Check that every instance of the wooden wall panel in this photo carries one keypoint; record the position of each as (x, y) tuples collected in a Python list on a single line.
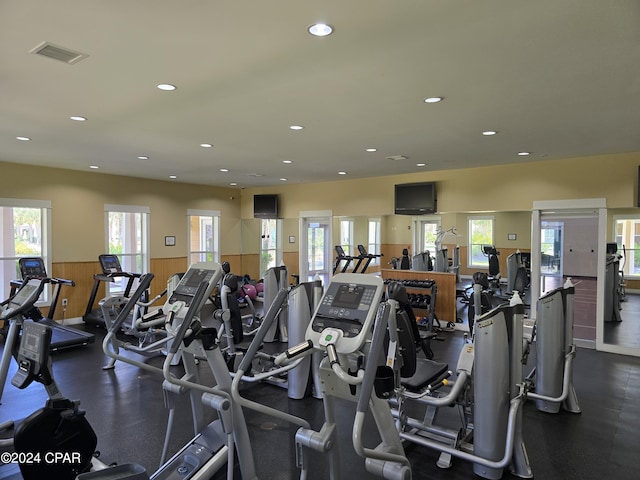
[(162, 269), (82, 274), (292, 262), (249, 265), (77, 297)]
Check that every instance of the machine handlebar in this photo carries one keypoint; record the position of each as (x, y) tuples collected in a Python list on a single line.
[(293, 352), (442, 381), (145, 281)]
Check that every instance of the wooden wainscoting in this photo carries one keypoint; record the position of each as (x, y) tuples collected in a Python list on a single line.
[(77, 297), (82, 274)]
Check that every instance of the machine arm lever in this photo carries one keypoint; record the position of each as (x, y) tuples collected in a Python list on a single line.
[(295, 351)]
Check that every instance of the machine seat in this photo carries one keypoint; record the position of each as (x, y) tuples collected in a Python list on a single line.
[(427, 372)]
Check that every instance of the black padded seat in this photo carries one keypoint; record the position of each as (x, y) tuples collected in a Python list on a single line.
[(427, 372)]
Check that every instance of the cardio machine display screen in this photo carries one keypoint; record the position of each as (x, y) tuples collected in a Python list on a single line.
[(32, 268), (348, 297), (23, 296), (192, 279), (345, 307), (110, 264)]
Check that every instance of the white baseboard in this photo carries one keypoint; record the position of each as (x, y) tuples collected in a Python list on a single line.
[(70, 321)]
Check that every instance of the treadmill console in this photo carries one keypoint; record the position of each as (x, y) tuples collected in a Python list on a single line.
[(32, 267), (348, 306), (110, 264)]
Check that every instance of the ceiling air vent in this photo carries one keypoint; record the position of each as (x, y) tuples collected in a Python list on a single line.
[(396, 157), (56, 52)]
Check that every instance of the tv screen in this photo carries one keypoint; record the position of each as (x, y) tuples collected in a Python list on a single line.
[(265, 206), (415, 198)]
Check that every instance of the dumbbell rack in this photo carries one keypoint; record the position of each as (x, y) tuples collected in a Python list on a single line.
[(422, 298), (445, 307)]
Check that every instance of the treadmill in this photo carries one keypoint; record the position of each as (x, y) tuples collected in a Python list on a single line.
[(61, 336), (111, 271)]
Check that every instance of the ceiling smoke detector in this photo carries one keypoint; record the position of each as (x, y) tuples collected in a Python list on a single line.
[(57, 52), (397, 157)]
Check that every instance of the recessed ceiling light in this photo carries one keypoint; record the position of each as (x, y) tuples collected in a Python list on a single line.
[(233, 184), (287, 161), (94, 167), (224, 170), (283, 179), (524, 154), (420, 164), (143, 157), (78, 118), (173, 177), (372, 149), (489, 133), (296, 127), (342, 173), (433, 99), (167, 87), (206, 145), (320, 29), (23, 139)]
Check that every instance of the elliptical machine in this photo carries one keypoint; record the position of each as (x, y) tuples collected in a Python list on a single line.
[(350, 326)]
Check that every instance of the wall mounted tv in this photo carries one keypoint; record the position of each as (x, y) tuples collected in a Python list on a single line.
[(415, 198), (265, 206)]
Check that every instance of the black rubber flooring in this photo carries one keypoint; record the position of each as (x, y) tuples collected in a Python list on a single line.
[(126, 408)]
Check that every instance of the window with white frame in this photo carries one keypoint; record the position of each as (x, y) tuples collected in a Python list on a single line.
[(627, 237), (270, 244), (127, 236), (480, 233), (374, 245), (346, 236), (203, 236), (25, 231)]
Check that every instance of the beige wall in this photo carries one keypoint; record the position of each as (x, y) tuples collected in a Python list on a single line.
[(507, 188), (78, 200)]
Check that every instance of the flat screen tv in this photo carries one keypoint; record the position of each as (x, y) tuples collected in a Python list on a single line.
[(415, 198), (265, 206)]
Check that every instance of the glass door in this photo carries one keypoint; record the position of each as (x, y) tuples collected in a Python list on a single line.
[(551, 243), (319, 260), (315, 251)]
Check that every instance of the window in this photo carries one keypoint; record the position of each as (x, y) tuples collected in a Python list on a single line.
[(203, 236), (270, 244), (480, 233), (346, 236), (627, 237), (25, 230), (127, 230), (374, 239)]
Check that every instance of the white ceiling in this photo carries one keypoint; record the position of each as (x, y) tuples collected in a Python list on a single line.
[(557, 78)]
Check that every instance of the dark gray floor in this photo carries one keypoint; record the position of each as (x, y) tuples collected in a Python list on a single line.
[(126, 409), (627, 332)]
